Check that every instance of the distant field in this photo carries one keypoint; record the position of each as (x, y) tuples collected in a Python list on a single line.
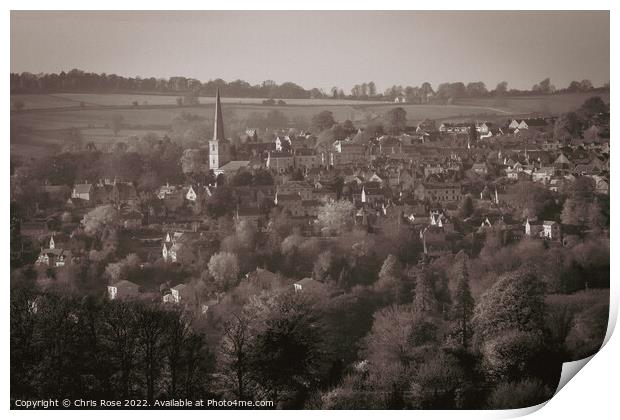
[(39, 143), (50, 113), (104, 136), (84, 118), (43, 101), (510, 105), (417, 113), (60, 118), (30, 151), (62, 100), (553, 104)]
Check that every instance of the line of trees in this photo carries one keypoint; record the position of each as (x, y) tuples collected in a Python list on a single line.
[(455, 90), (590, 122), (81, 81)]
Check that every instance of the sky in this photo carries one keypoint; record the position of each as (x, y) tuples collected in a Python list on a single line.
[(320, 48)]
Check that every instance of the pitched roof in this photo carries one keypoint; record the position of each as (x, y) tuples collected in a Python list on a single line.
[(234, 165), (82, 188), (562, 159), (179, 287)]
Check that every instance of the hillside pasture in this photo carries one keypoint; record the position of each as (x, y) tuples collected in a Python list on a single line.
[(87, 100), (85, 118), (93, 118), (38, 126), (417, 113), (142, 99), (43, 101), (33, 145), (104, 137), (464, 106), (548, 104)]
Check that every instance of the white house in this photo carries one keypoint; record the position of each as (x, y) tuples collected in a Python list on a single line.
[(170, 251), (483, 128), (191, 194), (166, 190), (523, 125), (82, 191), (178, 292), (602, 185), (400, 99), (52, 256), (532, 228), (551, 230), (480, 168)]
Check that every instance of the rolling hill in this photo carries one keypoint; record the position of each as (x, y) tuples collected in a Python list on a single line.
[(39, 128)]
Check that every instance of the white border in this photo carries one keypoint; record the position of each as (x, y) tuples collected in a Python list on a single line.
[(593, 394)]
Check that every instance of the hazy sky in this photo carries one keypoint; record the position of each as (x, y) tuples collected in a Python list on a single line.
[(320, 49)]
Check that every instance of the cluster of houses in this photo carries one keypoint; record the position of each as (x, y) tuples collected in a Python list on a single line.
[(104, 192), (439, 236), (290, 151), (404, 175), (487, 129), (185, 296), (554, 170), (180, 295), (55, 257)]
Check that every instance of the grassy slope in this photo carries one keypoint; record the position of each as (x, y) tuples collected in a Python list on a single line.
[(61, 100), (553, 104), (52, 112)]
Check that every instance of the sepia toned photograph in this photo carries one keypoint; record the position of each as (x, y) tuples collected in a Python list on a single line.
[(306, 210)]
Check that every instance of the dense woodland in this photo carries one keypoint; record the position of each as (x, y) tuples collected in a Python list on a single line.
[(378, 335)]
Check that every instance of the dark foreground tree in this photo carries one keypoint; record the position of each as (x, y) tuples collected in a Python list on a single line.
[(462, 302), (521, 394), (286, 355)]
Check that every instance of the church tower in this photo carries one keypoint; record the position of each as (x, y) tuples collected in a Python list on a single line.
[(219, 148)]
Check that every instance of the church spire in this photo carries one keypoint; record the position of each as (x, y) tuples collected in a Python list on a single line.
[(218, 124)]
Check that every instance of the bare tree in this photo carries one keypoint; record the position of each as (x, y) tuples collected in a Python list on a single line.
[(234, 352)]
